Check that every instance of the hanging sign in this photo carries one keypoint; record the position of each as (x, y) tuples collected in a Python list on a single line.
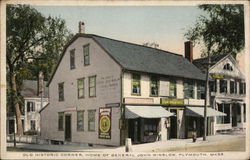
[(105, 123)]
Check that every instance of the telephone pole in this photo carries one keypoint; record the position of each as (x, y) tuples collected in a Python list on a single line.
[(207, 97)]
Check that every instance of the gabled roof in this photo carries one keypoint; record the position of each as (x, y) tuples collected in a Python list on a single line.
[(30, 89), (201, 63), (140, 58)]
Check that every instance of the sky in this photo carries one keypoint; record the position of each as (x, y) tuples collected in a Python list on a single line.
[(164, 25)]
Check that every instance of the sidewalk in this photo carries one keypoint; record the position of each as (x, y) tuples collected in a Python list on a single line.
[(171, 145)]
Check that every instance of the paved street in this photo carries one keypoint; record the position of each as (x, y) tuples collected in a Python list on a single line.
[(216, 143)]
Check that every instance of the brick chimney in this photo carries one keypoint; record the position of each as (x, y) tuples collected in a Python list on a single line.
[(81, 27), (40, 84), (189, 51)]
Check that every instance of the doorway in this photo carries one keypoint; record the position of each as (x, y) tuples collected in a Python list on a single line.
[(68, 128), (173, 124), (234, 115), (11, 126), (134, 130)]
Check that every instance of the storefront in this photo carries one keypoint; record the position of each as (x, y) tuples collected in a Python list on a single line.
[(146, 123), (195, 120)]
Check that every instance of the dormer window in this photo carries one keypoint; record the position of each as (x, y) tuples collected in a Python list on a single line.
[(228, 67)]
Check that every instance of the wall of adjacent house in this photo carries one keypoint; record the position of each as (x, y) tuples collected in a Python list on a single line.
[(108, 90), (33, 115), (228, 75)]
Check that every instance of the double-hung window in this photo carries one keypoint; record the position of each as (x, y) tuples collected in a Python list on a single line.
[(72, 59), (92, 86), (188, 89), (223, 86), (232, 87), (30, 106), (91, 120), (213, 85), (61, 91), (242, 88), (80, 120), (172, 88), (200, 91), (60, 121), (86, 54), (136, 84), (154, 86), (80, 88)]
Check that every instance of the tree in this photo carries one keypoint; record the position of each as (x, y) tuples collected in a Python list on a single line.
[(220, 30), (30, 37)]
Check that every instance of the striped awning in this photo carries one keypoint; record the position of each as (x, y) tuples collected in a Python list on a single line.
[(199, 112), (133, 112)]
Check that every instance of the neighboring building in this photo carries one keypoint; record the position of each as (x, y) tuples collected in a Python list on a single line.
[(104, 90), (228, 91), (32, 105)]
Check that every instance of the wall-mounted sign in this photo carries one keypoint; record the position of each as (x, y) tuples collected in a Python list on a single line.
[(112, 105), (168, 101), (218, 76), (105, 123)]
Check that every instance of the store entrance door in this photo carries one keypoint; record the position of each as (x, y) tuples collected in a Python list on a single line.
[(134, 130), (173, 124)]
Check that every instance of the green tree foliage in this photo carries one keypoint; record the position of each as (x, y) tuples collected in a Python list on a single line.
[(220, 30), (34, 44)]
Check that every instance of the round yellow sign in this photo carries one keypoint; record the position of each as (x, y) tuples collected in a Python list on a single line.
[(104, 123)]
